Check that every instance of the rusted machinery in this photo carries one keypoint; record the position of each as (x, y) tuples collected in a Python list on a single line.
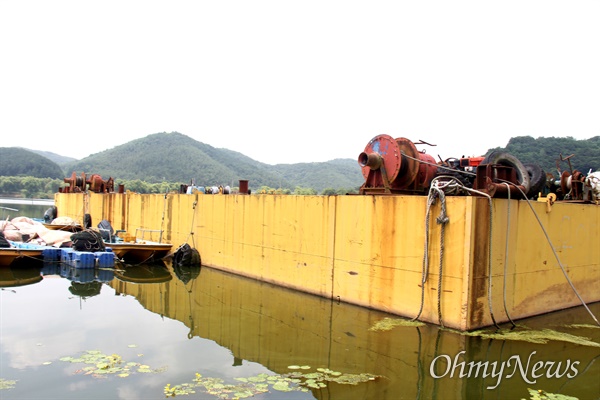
[(393, 166), (95, 183), (500, 173), (576, 186), (573, 185)]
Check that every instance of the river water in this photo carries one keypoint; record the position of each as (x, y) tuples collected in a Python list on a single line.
[(152, 330)]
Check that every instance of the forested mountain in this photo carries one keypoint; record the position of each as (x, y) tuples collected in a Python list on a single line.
[(57, 158), (178, 159), (547, 151), (174, 157), (16, 161)]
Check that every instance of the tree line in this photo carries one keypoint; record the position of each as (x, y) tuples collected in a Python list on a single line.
[(30, 187)]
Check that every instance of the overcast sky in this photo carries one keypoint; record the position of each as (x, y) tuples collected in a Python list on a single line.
[(297, 81)]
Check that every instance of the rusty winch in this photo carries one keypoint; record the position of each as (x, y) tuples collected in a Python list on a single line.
[(94, 183), (393, 166)]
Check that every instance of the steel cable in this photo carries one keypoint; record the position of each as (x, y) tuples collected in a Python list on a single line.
[(457, 183), (506, 255), (555, 254)]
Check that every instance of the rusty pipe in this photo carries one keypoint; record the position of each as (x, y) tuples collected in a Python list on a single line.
[(371, 160)]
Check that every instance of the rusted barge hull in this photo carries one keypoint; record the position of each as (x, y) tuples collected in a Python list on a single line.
[(370, 250)]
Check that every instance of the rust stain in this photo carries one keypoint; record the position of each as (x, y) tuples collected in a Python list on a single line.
[(480, 261), (558, 294)]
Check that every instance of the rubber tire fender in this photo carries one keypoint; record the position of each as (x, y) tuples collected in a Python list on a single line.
[(537, 179), (507, 159), (87, 221), (50, 214)]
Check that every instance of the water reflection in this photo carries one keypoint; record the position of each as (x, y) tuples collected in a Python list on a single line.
[(152, 272), (16, 276), (225, 326), (186, 273), (277, 328), (85, 290), (78, 275)]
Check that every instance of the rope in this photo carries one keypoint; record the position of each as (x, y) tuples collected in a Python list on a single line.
[(455, 182), (87, 240), (434, 193), (419, 365), (163, 218), (192, 228), (556, 255), (425, 266), (442, 220), (452, 184), (506, 255)]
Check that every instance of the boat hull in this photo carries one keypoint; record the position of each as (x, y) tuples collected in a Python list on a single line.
[(10, 256), (64, 227), (136, 253)]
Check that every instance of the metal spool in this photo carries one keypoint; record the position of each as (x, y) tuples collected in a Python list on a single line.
[(393, 165)]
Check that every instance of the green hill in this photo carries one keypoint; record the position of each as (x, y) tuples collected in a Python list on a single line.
[(174, 157), (57, 158), (16, 161), (177, 158)]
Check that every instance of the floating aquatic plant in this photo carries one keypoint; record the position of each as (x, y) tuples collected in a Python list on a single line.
[(295, 381), (298, 367), (178, 390), (542, 395), (534, 336), (582, 326), (387, 324), (100, 364), (7, 384)]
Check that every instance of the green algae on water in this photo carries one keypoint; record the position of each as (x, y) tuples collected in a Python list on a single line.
[(533, 336), (99, 364), (7, 384), (577, 326), (542, 395), (295, 381), (387, 324)]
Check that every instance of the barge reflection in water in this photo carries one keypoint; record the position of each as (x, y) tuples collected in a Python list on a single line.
[(225, 327)]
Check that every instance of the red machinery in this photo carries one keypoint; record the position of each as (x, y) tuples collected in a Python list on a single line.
[(77, 184), (395, 166), (501, 173)]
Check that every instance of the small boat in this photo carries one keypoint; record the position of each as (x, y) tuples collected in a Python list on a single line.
[(75, 227), (64, 223), (12, 255), (134, 249), (140, 251)]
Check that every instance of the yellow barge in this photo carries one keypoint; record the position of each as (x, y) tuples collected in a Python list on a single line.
[(484, 266)]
